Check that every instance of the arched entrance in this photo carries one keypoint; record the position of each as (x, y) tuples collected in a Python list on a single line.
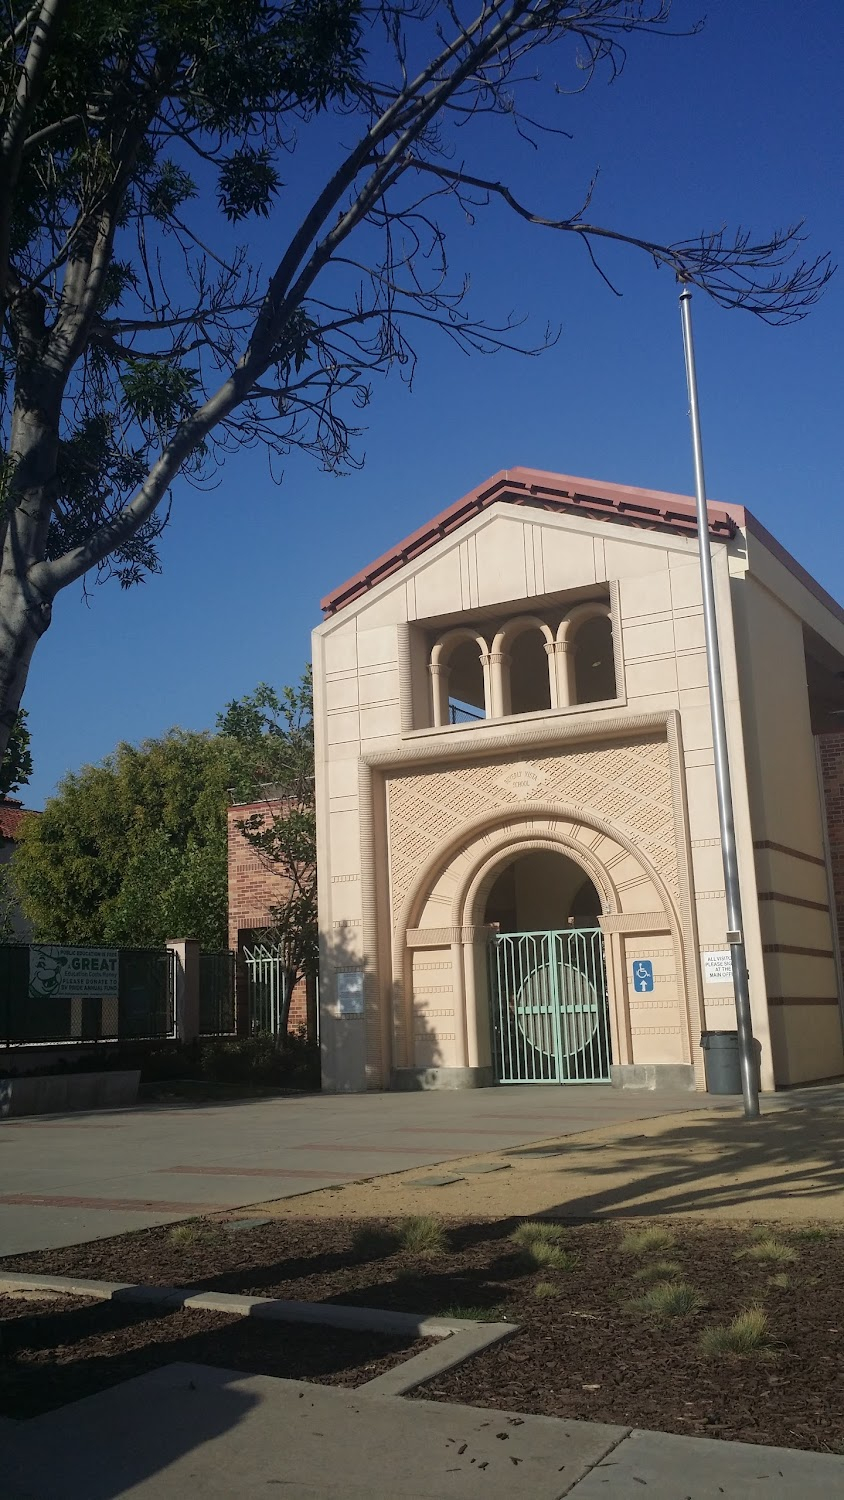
[(549, 1013)]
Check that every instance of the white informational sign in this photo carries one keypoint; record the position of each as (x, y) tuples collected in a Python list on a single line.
[(350, 992), (72, 973), (718, 967)]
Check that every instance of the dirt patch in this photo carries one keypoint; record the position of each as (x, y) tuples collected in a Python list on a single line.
[(60, 1350), (582, 1352), (789, 1165)]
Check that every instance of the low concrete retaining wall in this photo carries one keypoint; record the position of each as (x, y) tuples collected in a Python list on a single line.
[(68, 1091)]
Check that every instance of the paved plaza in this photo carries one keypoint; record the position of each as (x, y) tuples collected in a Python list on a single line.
[(192, 1430), (67, 1178)]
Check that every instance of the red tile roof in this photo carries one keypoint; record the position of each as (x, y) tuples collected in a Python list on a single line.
[(652, 509), (11, 817)]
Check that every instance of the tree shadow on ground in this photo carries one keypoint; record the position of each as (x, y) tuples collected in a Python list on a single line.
[(789, 1160), (263, 1275)]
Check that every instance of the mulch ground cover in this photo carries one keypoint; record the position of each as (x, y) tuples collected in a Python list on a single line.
[(60, 1350), (582, 1351)]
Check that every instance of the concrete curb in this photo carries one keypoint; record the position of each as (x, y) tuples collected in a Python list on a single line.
[(460, 1338)]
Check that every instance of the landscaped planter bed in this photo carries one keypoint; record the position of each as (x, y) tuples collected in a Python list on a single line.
[(582, 1352), (60, 1349)]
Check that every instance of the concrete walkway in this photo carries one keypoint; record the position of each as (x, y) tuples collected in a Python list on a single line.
[(67, 1178), (191, 1430)]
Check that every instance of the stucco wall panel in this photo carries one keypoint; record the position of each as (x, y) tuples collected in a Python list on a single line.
[(439, 586), (340, 647), (378, 646), (502, 572), (623, 558), (648, 677), (799, 1034), (647, 594), (646, 640), (341, 692), (568, 559)]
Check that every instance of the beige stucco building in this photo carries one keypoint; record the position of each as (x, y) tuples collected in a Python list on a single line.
[(519, 855)]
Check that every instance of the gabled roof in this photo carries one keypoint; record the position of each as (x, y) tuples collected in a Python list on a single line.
[(11, 817), (619, 503)]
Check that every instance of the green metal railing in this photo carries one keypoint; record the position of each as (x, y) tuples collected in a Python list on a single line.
[(266, 981), (548, 994)]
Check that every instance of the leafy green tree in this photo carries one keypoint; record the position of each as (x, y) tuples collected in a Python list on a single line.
[(277, 732), (133, 851), (138, 340), (16, 763), (8, 906)]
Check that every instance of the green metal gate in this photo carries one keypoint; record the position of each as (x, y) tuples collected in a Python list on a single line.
[(548, 993)]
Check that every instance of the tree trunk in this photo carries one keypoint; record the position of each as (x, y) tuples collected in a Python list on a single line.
[(25, 596), (289, 977), (24, 617)]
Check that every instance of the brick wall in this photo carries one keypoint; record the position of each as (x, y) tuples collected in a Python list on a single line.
[(254, 889), (832, 772)]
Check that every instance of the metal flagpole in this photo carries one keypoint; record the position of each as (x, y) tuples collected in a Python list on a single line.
[(735, 935)]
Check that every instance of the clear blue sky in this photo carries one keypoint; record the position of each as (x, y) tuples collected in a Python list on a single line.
[(741, 125)]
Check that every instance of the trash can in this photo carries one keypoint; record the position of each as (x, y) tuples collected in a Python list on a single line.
[(721, 1062)]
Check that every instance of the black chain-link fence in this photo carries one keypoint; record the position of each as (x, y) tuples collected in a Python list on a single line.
[(216, 994), (141, 1007)]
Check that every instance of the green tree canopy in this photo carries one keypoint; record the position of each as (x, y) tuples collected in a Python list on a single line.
[(139, 340), (276, 731), (133, 851), (16, 763)]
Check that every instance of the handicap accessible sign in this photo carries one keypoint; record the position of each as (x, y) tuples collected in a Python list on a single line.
[(643, 975)]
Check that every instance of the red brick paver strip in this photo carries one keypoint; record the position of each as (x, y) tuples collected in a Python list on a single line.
[(126, 1205), (63, 1124)]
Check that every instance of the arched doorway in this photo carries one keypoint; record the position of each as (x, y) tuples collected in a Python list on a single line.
[(547, 974)]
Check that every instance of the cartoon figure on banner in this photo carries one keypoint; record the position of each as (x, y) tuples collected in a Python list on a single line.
[(46, 974)]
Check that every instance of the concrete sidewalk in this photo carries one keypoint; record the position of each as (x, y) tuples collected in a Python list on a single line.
[(67, 1178), (192, 1430)]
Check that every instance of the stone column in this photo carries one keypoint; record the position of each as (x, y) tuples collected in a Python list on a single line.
[(439, 692), (187, 987), (496, 683), (564, 672)]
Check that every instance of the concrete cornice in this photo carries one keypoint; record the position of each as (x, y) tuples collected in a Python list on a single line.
[(482, 741)]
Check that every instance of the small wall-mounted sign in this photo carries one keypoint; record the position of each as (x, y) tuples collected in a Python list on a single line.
[(718, 966), (350, 992), (643, 975)]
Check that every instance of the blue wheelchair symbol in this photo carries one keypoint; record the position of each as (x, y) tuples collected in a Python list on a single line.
[(643, 975)]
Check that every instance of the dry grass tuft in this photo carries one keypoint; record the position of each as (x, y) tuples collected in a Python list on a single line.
[(768, 1248), (550, 1257), (642, 1241), (423, 1236), (659, 1270), (748, 1334), (545, 1290), (538, 1231), (667, 1299), (185, 1234), (541, 1245), (475, 1314)]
